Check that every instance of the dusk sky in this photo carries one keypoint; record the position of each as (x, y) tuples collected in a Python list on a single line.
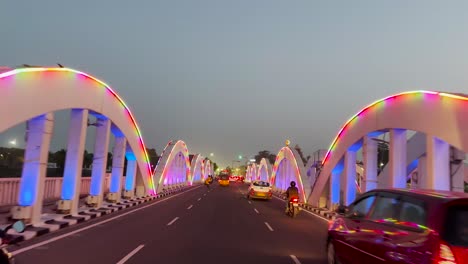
[(237, 77)]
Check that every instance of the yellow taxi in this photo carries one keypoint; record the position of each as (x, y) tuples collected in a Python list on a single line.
[(223, 180)]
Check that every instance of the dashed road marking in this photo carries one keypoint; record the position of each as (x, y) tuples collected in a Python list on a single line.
[(294, 258), (269, 227), (199, 199), (122, 261), (255, 209), (190, 207), (173, 220)]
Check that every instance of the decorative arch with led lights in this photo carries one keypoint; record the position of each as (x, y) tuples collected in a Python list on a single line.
[(438, 114), (173, 168), (29, 92), (288, 157)]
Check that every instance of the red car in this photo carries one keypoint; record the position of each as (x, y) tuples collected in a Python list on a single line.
[(401, 226)]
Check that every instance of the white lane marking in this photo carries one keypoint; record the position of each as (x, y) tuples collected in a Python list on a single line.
[(294, 258), (255, 209), (190, 207), (42, 248), (204, 194), (268, 225), (316, 215), (199, 199), (173, 220), (122, 261), (45, 242), (250, 202)]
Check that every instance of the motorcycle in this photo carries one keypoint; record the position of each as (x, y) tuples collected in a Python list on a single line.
[(293, 207), (5, 240)]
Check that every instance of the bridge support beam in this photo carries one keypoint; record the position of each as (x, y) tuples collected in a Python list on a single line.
[(458, 171), (334, 189), (39, 133), (130, 179), (71, 184), (417, 183), (140, 186), (438, 164), (118, 160), (98, 173), (369, 153), (397, 177), (348, 182)]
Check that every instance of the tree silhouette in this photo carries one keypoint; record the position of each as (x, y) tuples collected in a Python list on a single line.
[(265, 154)]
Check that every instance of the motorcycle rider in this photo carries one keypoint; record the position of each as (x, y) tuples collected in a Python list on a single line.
[(208, 181), (291, 192)]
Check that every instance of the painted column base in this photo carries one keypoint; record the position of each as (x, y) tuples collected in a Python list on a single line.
[(112, 197), (92, 200), (64, 206), (21, 213), (140, 191), (129, 194)]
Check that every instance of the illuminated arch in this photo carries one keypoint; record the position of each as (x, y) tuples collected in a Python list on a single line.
[(197, 168), (264, 170), (207, 169), (173, 167), (289, 156), (54, 89), (438, 114), (253, 171), (248, 174)]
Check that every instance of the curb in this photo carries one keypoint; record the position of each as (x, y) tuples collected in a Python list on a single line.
[(66, 220), (318, 211)]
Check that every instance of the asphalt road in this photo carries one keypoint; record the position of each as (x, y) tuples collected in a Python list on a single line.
[(197, 226)]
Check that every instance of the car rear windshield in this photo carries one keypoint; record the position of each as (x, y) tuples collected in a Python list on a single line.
[(456, 226), (261, 184)]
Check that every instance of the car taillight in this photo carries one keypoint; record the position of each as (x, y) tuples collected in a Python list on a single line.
[(295, 200), (444, 255)]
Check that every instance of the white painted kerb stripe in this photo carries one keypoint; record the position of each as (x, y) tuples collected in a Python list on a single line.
[(122, 261)]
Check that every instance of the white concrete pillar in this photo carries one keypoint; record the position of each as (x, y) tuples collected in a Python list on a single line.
[(118, 160), (334, 190), (397, 162), (141, 189), (418, 180), (98, 173), (369, 153), (349, 179), (31, 192), (458, 170), (130, 176), (438, 164), (71, 184)]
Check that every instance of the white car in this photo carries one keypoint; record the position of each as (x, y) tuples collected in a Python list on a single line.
[(259, 190)]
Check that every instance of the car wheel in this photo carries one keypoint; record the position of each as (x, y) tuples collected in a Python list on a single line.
[(331, 254)]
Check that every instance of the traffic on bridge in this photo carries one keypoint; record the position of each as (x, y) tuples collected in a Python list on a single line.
[(81, 183)]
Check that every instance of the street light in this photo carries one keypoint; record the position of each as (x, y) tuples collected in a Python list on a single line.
[(13, 142), (211, 154)]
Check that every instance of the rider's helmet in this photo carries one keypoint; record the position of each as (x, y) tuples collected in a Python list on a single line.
[(293, 184)]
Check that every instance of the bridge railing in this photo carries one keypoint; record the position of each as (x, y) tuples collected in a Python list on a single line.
[(9, 188)]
